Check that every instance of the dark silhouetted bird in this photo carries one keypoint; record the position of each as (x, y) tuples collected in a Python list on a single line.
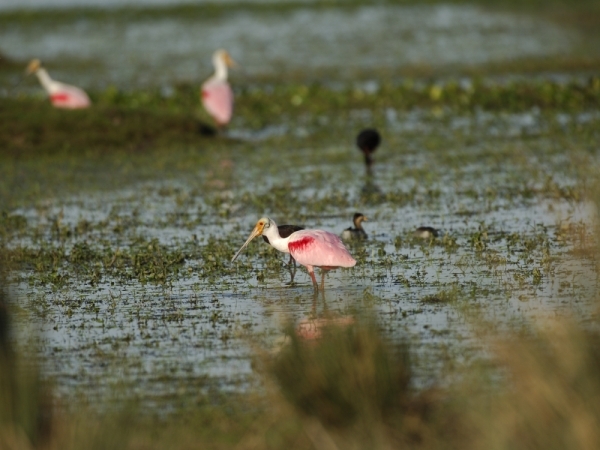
[(367, 141)]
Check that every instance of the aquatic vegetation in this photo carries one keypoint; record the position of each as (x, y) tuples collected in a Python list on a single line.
[(140, 121)]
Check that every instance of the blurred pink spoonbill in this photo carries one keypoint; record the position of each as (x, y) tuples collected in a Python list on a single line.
[(216, 94), (61, 95), (311, 248)]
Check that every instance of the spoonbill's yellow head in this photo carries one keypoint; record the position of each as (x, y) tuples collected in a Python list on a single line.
[(225, 57), (258, 230), (33, 66)]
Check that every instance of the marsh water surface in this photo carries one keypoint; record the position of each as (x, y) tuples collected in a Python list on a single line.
[(124, 269)]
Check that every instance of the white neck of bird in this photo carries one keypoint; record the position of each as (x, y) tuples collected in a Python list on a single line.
[(45, 79), (220, 68), (272, 233)]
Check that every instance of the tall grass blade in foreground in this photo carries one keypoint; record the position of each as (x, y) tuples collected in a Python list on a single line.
[(348, 374), (552, 397), (25, 404), (354, 388)]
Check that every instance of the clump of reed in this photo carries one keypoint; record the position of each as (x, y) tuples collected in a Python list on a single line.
[(347, 374), (552, 395), (357, 389), (352, 389)]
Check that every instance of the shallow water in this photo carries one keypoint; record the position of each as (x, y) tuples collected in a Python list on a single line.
[(510, 253), (302, 41), (130, 285)]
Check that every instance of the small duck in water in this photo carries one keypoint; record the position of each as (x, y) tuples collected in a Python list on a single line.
[(357, 232), (426, 232)]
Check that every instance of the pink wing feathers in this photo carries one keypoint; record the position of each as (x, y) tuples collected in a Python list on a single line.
[(69, 97), (217, 98), (319, 248)]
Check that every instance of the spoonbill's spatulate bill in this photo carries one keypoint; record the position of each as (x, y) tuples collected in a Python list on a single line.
[(367, 141), (61, 95), (357, 232), (216, 94), (310, 248)]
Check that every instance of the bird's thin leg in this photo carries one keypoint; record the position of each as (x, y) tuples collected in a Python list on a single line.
[(291, 265), (220, 130), (292, 270), (368, 161), (323, 280), (311, 272)]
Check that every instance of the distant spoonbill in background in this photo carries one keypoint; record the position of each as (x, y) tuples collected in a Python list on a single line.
[(357, 232), (311, 248), (367, 141), (216, 94), (61, 95)]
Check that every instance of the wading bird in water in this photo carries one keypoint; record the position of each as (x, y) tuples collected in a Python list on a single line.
[(426, 232), (357, 232), (367, 141), (216, 94), (61, 95), (311, 248)]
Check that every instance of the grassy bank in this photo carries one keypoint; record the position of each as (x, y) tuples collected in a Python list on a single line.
[(137, 122)]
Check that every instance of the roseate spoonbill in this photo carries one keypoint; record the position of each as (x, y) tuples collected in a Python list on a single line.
[(311, 248), (426, 232), (61, 95), (367, 141), (357, 232), (216, 94)]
